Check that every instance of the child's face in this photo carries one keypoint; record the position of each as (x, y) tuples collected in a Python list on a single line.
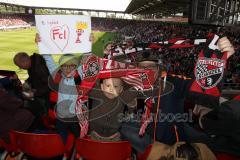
[(112, 87), (68, 69)]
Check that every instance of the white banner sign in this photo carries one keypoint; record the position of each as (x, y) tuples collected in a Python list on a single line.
[(61, 34)]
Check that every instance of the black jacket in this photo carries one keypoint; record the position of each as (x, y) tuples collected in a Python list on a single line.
[(38, 76), (223, 123)]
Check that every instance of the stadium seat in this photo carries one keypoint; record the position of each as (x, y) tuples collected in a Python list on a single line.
[(237, 97), (49, 120), (6, 146), (2, 143), (223, 156), (41, 145), (8, 151), (52, 114), (95, 150), (53, 97)]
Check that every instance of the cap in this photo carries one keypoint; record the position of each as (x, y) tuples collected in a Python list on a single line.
[(68, 59)]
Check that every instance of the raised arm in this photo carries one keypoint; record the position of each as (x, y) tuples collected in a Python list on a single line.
[(226, 46), (51, 65)]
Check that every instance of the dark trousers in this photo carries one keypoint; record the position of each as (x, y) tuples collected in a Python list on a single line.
[(194, 135), (129, 132), (38, 107), (217, 143), (165, 133), (64, 127)]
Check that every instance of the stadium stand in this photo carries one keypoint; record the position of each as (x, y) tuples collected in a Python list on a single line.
[(14, 21)]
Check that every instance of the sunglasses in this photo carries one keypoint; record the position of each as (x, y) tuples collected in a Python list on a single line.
[(71, 66)]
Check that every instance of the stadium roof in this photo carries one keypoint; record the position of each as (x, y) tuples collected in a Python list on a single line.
[(97, 5), (164, 7)]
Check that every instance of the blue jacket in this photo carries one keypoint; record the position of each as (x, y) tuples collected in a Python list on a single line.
[(67, 91)]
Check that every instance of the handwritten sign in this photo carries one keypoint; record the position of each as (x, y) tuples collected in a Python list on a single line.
[(62, 34)]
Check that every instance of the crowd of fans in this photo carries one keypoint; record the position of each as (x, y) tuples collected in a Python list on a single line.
[(108, 24), (12, 21), (181, 60), (178, 61)]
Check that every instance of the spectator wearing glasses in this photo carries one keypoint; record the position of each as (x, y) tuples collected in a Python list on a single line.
[(167, 130), (66, 76)]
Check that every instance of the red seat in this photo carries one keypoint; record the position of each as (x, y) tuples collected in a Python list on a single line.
[(52, 114), (41, 145), (237, 97), (95, 150), (223, 156), (2, 143), (5, 145), (49, 120)]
